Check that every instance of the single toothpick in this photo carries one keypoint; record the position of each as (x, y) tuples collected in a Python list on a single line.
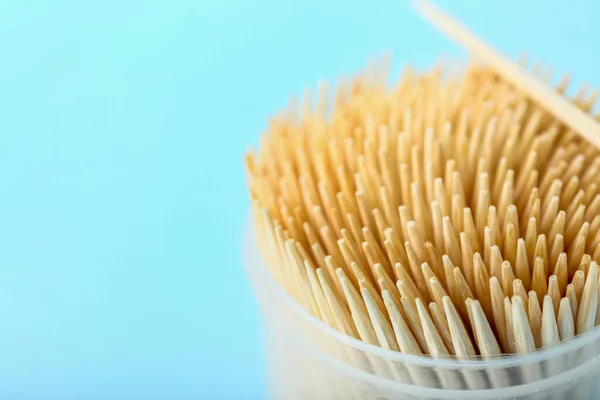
[(558, 106)]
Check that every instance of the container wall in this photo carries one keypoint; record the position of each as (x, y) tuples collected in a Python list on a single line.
[(295, 372), (308, 360)]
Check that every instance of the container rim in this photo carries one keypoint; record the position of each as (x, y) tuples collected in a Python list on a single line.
[(254, 261)]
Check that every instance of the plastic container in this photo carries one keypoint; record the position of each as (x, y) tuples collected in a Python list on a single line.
[(307, 359)]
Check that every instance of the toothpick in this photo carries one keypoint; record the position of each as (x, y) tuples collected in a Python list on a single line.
[(383, 331), (550, 333), (486, 341), (435, 345), (566, 325), (359, 313), (404, 337), (586, 316), (523, 336), (460, 337), (497, 298), (555, 104)]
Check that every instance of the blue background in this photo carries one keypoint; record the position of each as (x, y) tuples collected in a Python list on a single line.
[(122, 191)]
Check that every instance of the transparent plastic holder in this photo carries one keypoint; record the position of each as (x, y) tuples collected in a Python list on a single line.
[(307, 359)]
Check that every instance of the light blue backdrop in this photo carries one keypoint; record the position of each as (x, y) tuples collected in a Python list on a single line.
[(122, 192)]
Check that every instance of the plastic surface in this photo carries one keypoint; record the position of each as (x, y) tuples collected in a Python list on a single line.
[(309, 360)]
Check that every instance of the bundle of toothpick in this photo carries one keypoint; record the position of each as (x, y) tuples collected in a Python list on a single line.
[(450, 214)]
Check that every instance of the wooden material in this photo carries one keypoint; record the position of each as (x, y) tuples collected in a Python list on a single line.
[(449, 214), (561, 108)]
